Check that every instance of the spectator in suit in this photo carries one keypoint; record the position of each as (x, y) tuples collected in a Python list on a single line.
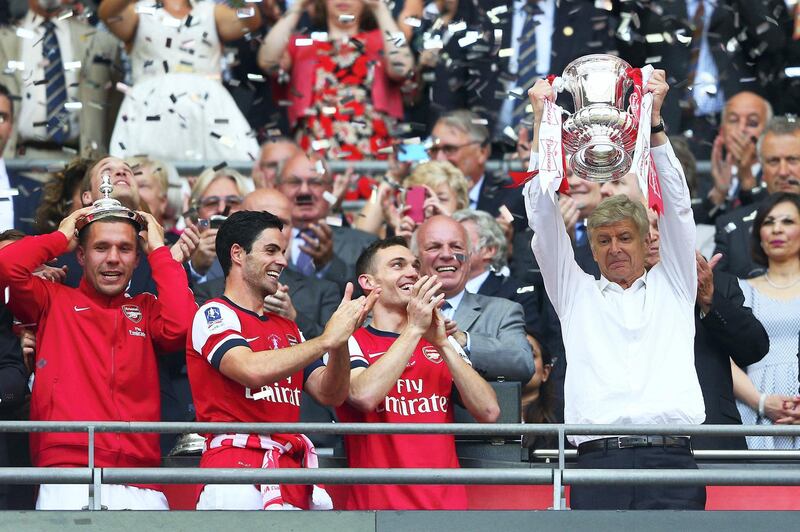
[(725, 332), (487, 267), (461, 138), (490, 329), (45, 46), (717, 49), (19, 195), (317, 248), (779, 155), (734, 161), (274, 153), (216, 194), (308, 301)]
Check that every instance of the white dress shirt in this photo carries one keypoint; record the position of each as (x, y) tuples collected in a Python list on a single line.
[(474, 284), (32, 108), (630, 352), (474, 194), (6, 201)]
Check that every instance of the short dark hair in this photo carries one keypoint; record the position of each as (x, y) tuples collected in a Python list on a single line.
[(364, 264), (242, 228), (769, 203), (84, 232)]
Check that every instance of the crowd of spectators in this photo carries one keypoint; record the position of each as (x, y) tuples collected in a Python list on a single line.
[(437, 255)]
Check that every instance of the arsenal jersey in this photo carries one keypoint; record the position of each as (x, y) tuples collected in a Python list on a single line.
[(221, 325), (422, 394)]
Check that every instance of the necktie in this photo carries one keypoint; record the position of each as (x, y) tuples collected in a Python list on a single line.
[(56, 86), (305, 264), (527, 73), (447, 310)]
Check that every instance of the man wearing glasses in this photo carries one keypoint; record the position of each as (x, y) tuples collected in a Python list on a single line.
[(317, 248), (462, 138)]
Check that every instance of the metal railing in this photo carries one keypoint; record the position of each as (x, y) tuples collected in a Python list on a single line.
[(559, 476), (186, 168)]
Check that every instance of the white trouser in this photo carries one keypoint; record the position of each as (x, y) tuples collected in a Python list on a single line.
[(233, 497), (112, 497)]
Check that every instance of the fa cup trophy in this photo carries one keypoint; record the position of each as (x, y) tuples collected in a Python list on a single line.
[(107, 207), (601, 134)]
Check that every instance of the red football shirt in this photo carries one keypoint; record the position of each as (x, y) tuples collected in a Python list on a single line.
[(422, 394), (220, 325)]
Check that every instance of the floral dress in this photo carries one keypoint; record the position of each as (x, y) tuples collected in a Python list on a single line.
[(341, 122)]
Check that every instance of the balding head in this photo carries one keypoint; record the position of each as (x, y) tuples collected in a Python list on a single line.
[(443, 248), (744, 117), (274, 153), (273, 201)]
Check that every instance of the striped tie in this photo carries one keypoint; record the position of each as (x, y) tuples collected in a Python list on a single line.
[(527, 71), (56, 86)]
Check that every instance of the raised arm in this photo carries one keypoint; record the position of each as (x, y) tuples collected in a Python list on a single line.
[(397, 54), (551, 244), (256, 369), (272, 53), (676, 225), (29, 295), (120, 17), (231, 26)]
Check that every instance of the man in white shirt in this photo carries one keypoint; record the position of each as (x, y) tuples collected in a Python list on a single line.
[(19, 196), (629, 337), (61, 69)]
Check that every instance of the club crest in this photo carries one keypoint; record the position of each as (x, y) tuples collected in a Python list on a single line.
[(432, 354), (132, 312)]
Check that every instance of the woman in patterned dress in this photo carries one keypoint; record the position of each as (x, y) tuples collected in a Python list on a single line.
[(342, 85), (768, 392)]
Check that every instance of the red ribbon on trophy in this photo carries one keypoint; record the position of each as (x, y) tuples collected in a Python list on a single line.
[(552, 160), (641, 106)]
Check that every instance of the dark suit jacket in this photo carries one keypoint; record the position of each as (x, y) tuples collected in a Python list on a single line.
[(347, 247), (314, 299), (728, 331), (527, 296), (732, 239), (498, 346), (13, 386), (26, 202), (740, 37)]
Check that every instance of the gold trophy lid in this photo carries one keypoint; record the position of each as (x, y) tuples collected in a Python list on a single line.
[(108, 207)]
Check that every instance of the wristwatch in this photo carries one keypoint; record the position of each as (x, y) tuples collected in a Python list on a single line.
[(657, 128)]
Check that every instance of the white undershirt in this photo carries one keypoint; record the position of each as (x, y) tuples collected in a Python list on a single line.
[(474, 284)]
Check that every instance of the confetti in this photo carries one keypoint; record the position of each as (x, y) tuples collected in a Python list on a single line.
[(303, 42), (323, 144), (73, 106), (505, 214), (329, 197), (414, 22), (509, 132), (15, 65), (246, 12), (456, 27), (470, 38), (72, 65), (347, 19), (24, 33), (505, 52), (333, 220), (219, 166)]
